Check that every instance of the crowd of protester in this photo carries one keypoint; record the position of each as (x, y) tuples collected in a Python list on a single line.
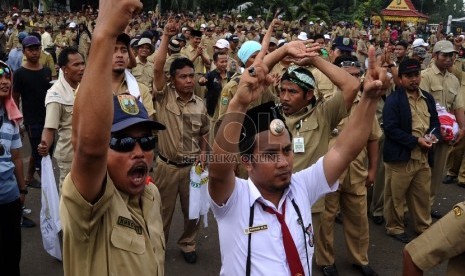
[(191, 72)]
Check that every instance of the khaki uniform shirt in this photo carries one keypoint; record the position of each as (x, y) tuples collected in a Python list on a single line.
[(13, 39), (118, 235), (442, 241), (186, 123), (358, 169), (444, 88), (145, 95), (59, 117), (62, 41), (144, 73), (315, 126), (420, 124), (325, 87), (72, 38), (190, 52)]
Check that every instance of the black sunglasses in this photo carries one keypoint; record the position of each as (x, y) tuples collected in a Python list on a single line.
[(127, 144)]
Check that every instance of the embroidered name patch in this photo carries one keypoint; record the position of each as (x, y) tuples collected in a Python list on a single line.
[(254, 229), (129, 224)]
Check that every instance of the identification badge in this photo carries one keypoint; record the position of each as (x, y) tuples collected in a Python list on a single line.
[(255, 229), (299, 145)]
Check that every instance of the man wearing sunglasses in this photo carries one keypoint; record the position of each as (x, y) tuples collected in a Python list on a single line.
[(446, 90), (110, 212)]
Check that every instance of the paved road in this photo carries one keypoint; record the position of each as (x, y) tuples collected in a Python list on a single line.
[(385, 253)]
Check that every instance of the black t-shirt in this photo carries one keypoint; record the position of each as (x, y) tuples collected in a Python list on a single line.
[(32, 85)]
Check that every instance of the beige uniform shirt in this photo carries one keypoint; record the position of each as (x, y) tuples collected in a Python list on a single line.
[(59, 117), (314, 125), (420, 124), (442, 241), (444, 88), (325, 87), (208, 43), (186, 123), (144, 73), (72, 38), (358, 169), (145, 95), (118, 235), (62, 41), (190, 52)]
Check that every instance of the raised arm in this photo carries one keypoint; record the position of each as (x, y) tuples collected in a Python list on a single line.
[(159, 78), (226, 144), (355, 135), (93, 107)]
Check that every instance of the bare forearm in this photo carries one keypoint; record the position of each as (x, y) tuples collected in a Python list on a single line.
[(48, 135), (159, 63), (18, 162), (373, 155), (460, 116)]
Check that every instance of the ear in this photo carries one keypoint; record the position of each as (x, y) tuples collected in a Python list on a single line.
[(309, 95), (245, 160)]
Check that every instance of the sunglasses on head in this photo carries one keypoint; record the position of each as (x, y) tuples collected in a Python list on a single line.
[(127, 144), (350, 64)]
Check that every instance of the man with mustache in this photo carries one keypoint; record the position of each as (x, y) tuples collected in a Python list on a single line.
[(411, 126), (265, 224), (110, 211)]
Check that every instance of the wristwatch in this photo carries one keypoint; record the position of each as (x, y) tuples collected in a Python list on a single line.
[(24, 192)]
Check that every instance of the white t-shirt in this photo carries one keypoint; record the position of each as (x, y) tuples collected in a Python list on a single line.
[(267, 250)]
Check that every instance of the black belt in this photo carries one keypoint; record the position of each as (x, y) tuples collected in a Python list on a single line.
[(180, 165)]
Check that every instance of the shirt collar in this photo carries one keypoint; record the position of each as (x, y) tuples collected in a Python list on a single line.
[(255, 195)]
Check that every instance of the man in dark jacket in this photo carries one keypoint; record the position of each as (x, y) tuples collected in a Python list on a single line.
[(411, 127)]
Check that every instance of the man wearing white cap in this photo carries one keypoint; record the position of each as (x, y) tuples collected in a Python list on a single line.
[(419, 42), (302, 36), (445, 88), (72, 34), (143, 72)]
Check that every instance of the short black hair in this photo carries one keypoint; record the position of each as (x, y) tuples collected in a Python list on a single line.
[(318, 36), (247, 143), (216, 54), (403, 43), (180, 63), (63, 57)]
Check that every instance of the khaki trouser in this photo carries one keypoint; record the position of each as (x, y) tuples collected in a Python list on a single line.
[(65, 168), (456, 162), (377, 199), (172, 181), (353, 206), (441, 151), (407, 181)]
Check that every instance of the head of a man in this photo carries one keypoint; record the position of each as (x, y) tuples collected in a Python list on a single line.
[(266, 149), (296, 89), (221, 46), (409, 74), (400, 50), (132, 142), (221, 61), (182, 76), (144, 48), (350, 64), (248, 52), (196, 37), (32, 48), (342, 46), (444, 54), (121, 53), (72, 65)]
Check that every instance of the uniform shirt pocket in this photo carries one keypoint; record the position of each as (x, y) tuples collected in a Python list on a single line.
[(128, 240)]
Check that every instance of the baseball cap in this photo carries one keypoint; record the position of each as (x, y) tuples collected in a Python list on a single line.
[(180, 37), (22, 36), (222, 44), (409, 65), (196, 33), (419, 51), (203, 25), (419, 42), (274, 41), (233, 38), (444, 46), (129, 111), (249, 18), (72, 25), (248, 49), (344, 44), (31, 40), (15, 14)]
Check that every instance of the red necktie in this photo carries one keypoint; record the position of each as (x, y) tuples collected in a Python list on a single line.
[(292, 256)]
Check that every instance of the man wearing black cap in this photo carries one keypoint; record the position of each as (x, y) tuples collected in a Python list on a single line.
[(110, 210), (411, 126), (272, 207), (30, 85)]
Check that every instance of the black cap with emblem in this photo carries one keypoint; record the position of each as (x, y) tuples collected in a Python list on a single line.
[(264, 117)]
